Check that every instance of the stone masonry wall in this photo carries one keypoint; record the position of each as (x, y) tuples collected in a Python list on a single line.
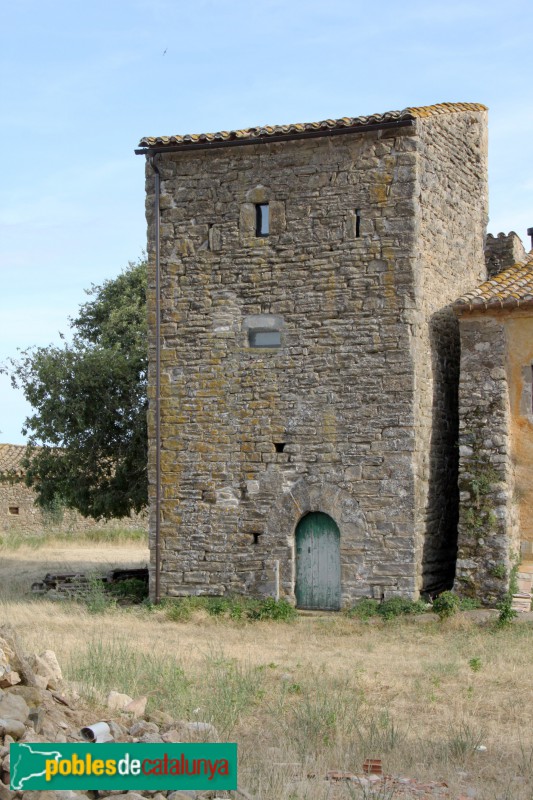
[(488, 529), (452, 212), (339, 417), (336, 397), (503, 251), (20, 515)]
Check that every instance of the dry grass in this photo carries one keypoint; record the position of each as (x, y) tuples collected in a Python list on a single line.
[(321, 693)]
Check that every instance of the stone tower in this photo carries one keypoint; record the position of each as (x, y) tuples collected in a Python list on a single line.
[(309, 353)]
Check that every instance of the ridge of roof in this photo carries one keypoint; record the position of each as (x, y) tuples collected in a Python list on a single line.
[(510, 288), (300, 128)]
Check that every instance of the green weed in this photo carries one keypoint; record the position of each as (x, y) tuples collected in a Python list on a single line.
[(399, 606), (468, 604), (95, 596), (363, 609), (505, 606), (234, 608), (498, 571), (507, 612), (180, 610), (446, 605), (388, 609)]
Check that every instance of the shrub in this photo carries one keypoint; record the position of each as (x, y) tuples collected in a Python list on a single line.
[(505, 606), (235, 608), (363, 609), (446, 605), (279, 610), (388, 609), (96, 598), (177, 610), (507, 612), (399, 606), (216, 606)]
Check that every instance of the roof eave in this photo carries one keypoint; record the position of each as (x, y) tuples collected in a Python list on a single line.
[(268, 139), (463, 307)]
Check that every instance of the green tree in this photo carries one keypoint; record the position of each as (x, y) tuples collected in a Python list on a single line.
[(87, 437)]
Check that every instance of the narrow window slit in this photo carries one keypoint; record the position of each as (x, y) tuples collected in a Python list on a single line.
[(256, 537), (280, 446), (262, 219), (357, 223)]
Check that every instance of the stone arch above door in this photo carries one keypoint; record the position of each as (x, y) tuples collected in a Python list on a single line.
[(326, 497)]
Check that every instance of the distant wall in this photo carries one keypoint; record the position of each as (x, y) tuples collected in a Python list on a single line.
[(20, 514)]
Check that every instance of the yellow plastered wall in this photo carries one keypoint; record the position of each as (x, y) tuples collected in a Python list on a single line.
[(519, 336)]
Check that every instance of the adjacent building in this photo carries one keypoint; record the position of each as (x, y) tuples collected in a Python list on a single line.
[(496, 425)]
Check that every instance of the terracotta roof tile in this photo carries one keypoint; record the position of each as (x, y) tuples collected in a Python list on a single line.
[(300, 128), (11, 456), (511, 288)]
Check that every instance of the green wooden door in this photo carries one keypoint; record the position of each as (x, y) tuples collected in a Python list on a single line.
[(318, 563)]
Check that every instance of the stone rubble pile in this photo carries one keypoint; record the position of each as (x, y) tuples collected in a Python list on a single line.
[(36, 705)]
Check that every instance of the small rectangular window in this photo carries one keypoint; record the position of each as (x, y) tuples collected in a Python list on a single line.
[(13, 510), (262, 221), (264, 338)]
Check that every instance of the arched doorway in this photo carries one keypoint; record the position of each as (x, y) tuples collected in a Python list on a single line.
[(318, 562)]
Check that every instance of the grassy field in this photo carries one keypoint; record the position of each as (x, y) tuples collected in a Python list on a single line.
[(305, 697)]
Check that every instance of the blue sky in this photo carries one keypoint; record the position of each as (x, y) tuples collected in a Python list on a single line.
[(82, 82)]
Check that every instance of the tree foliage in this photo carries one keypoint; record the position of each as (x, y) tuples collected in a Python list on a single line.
[(87, 437)]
